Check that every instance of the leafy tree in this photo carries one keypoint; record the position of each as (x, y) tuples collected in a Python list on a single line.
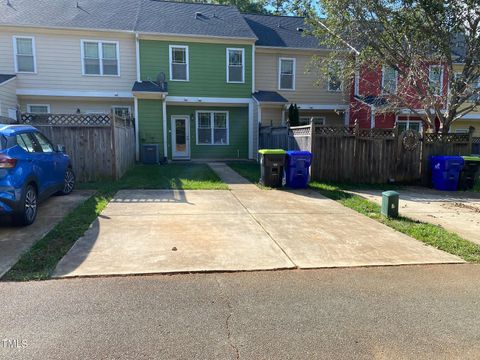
[(408, 36)]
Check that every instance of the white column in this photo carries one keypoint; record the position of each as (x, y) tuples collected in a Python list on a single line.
[(251, 129), (164, 116), (347, 117), (137, 136)]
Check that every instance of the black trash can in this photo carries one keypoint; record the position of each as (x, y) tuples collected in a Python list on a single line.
[(272, 163), (470, 172)]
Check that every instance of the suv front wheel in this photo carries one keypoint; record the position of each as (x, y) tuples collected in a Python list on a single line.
[(68, 182)]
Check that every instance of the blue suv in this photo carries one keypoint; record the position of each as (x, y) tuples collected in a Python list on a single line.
[(31, 170)]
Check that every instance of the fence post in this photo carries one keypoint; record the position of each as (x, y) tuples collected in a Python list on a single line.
[(114, 156)]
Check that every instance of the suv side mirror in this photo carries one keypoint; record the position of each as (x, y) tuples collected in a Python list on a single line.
[(60, 148)]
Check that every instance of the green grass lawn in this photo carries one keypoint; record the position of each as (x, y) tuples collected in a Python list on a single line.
[(429, 234), (40, 261)]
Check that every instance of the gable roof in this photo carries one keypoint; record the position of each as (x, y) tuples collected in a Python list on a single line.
[(150, 16), (171, 17), (5, 77), (282, 31)]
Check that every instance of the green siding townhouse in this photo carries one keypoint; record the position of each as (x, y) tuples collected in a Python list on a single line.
[(193, 94)]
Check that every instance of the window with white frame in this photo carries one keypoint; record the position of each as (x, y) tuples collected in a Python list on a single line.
[(100, 58), (286, 74), (307, 120), (462, 131), (38, 108), (334, 78), (179, 70), (235, 65), (389, 80), (212, 128), (435, 78), (403, 125), (24, 49), (123, 111)]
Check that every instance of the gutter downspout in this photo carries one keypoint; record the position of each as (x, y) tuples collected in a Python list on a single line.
[(164, 116)]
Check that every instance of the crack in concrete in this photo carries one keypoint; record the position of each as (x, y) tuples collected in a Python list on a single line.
[(227, 320)]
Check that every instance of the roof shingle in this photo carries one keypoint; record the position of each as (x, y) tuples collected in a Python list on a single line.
[(151, 16), (281, 31)]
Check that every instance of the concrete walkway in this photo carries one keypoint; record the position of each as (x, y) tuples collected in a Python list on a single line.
[(14, 241), (458, 212), (234, 180), (168, 231)]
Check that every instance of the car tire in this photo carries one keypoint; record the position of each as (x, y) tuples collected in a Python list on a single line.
[(68, 182), (28, 214)]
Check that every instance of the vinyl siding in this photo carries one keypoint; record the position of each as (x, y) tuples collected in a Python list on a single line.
[(8, 97), (150, 123), (306, 91), (59, 65), (207, 63), (238, 133), (465, 124), (70, 106), (271, 116), (331, 117)]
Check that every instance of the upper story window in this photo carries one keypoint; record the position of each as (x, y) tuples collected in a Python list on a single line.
[(334, 80), (435, 78), (389, 80), (24, 50), (100, 58), (235, 65), (179, 63), (38, 108), (286, 74)]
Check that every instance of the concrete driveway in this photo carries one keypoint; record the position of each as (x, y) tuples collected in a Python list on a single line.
[(167, 231), (458, 212), (14, 241)]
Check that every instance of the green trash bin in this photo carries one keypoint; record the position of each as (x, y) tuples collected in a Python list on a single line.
[(469, 173), (390, 201), (272, 163)]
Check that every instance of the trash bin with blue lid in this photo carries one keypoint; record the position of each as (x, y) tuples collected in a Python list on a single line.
[(272, 162), (297, 169), (446, 172)]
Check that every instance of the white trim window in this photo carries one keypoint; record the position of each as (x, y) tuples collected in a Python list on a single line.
[(123, 111), (334, 81), (235, 65), (24, 54), (179, 67), (100, 58), (286, 73), (403, 125), (389, 80), (307, 120), (435, 79), (38, 108), (462, 131), (212, 127)]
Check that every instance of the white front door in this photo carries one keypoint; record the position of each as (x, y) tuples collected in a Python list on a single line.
[(181, 137)]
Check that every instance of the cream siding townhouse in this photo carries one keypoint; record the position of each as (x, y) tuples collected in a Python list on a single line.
[(283, 53), (67, 57)]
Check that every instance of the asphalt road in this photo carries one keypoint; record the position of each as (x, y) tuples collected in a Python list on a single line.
[(408, 312)]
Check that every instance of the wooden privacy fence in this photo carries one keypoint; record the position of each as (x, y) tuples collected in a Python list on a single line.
[(101, 146), (375, 156)]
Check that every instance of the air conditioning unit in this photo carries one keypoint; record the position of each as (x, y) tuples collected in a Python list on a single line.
[(150, 154)]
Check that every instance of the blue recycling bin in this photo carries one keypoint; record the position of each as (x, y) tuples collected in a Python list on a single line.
[(297, 169), (446, 172)]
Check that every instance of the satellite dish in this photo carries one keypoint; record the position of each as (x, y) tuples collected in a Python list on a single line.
[(161, 78)]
